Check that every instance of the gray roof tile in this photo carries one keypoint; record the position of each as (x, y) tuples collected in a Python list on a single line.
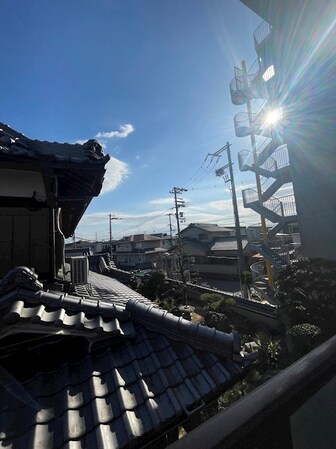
[(111, 396), (16, 144), (228, 244)]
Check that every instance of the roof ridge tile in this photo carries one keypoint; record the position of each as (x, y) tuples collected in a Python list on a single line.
[(199, 336)]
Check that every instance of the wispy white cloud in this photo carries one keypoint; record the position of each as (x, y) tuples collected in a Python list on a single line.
[(124, 131), (116, 172), (162, 201)]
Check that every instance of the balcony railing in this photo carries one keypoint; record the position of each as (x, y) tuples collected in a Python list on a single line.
[(280, 413)]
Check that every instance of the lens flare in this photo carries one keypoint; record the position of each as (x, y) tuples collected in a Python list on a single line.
[(273, 117)]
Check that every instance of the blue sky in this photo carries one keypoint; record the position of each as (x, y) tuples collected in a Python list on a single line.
[(150, 80)]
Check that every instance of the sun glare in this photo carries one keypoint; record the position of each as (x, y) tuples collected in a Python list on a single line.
[(273, 117)]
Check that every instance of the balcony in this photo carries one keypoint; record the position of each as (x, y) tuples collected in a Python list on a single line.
[(245, 88)]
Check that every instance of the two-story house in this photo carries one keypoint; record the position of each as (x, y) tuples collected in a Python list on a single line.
[(140, 250), (213, 250)]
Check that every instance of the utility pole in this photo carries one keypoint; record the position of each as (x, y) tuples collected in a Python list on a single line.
[(110, 223), (221, 172), (179, 202), (258, 183), (170, 227)]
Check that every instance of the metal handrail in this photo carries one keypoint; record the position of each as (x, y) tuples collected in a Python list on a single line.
[(258, 269), (274, 205), (249, 196), (288, 205), (274, 401), (280, 155)]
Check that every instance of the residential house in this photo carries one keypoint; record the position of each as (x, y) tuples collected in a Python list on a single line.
[(86, 362), (85, 247), (140, 250), (212, 250)]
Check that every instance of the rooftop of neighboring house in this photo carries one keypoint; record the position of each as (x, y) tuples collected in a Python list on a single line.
[(228, 244), (208, 227), (81, 244), (105, 367), (140, 238)]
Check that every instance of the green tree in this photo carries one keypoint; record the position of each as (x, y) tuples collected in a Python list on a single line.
[(306, 298), (153, 284), (306, 293)]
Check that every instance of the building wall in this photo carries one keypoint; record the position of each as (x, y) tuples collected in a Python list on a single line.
[(217, 271), (24, 239), (302, 50)]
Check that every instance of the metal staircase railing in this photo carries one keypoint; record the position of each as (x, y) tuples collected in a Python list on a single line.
[(245, 160), (268, 170), (278, 154), (250, 196), (247, 88), (274, 209), (244, 128), (288, 205), (281, 156), (258, 270)]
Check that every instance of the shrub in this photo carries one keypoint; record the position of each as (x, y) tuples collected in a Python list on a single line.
[(303, 338)]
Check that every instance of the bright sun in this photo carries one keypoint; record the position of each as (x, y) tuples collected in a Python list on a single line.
[(273, 117)]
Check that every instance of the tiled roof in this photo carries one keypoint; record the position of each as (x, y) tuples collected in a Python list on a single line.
[(139, 238), (16, 144), (228, 244), (79, 170), (143, 370), (209, 227)]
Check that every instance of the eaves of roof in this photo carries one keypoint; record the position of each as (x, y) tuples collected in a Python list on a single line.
[(13, 143)]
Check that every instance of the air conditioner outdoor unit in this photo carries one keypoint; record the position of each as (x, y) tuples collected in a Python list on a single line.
[(79, 270)]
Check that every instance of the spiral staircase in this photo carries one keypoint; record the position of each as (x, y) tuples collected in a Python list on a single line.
[(268, 159)]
